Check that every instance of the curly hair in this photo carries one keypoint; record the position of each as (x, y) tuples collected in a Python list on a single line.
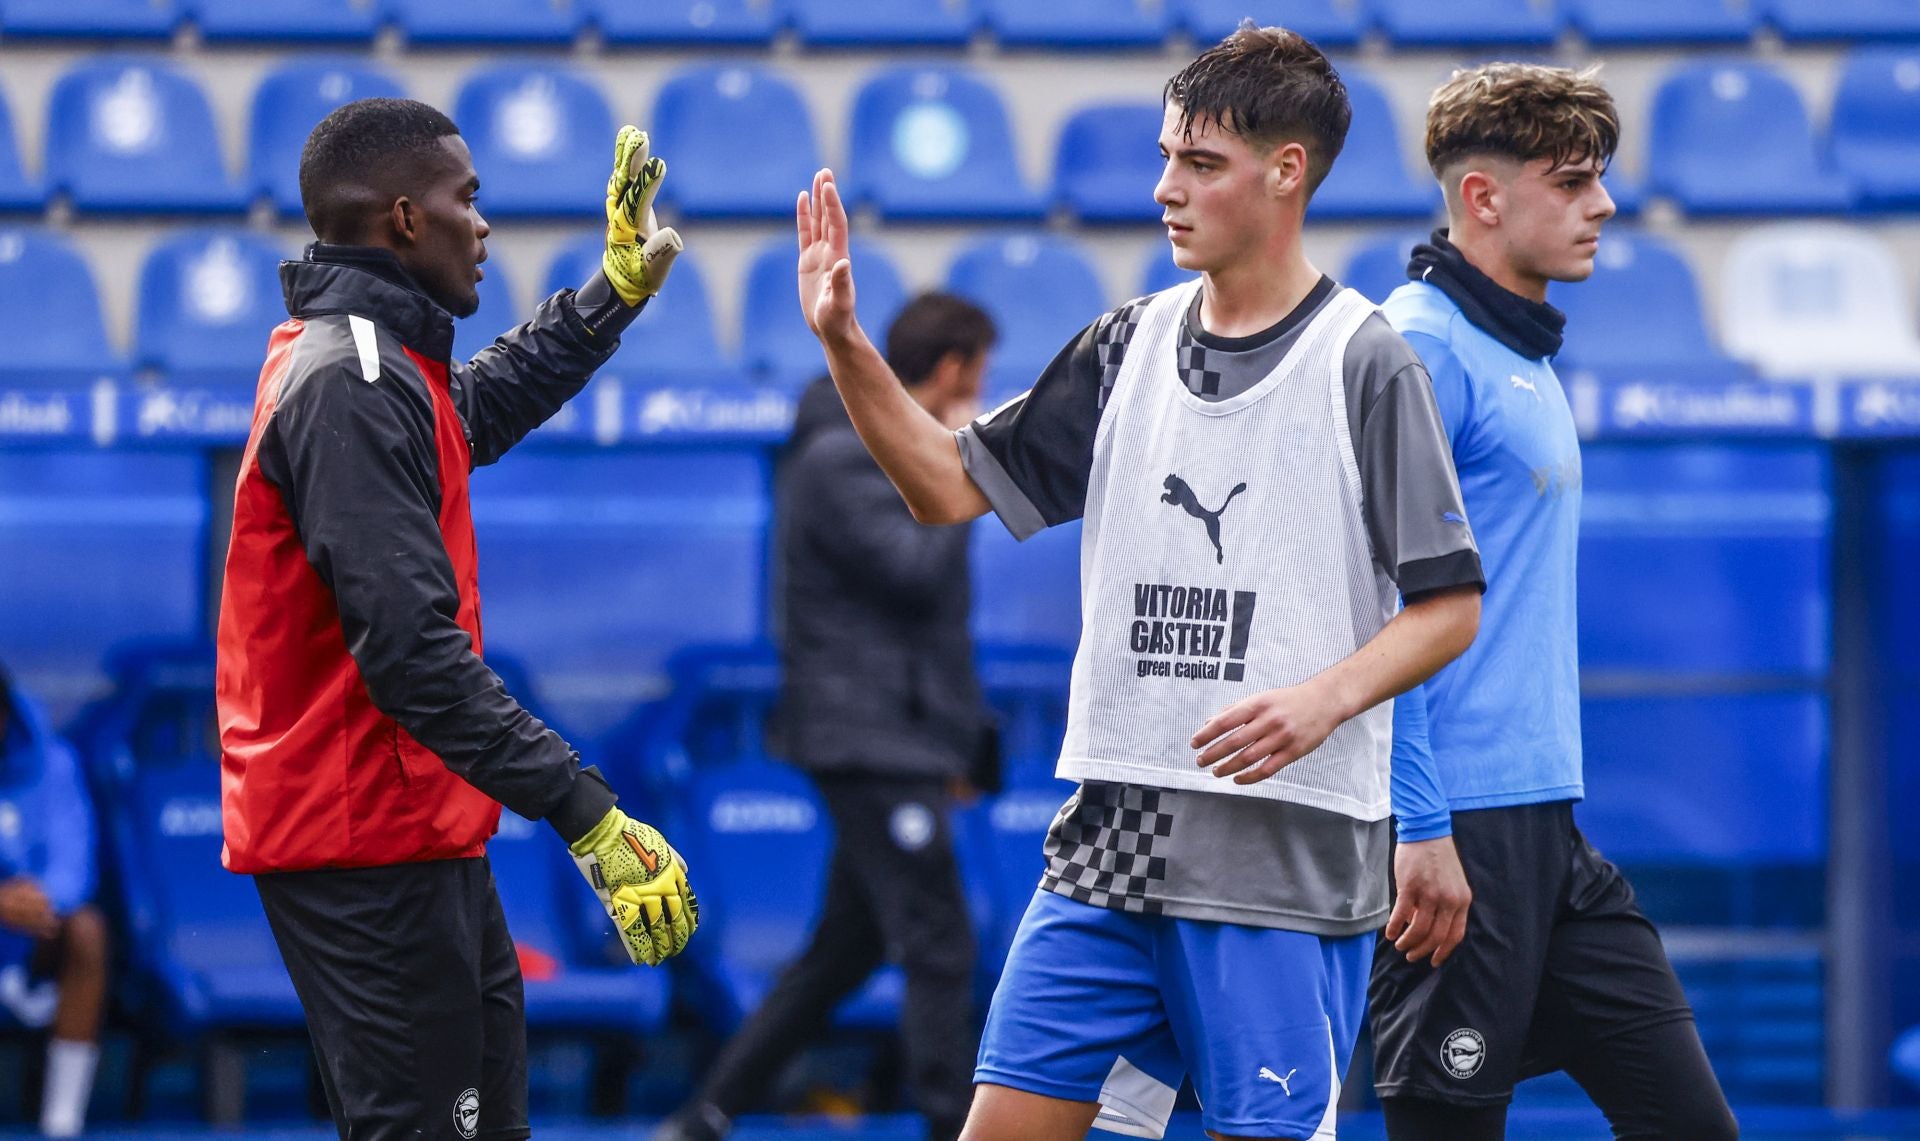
[(1522, 111), (1268, 86)]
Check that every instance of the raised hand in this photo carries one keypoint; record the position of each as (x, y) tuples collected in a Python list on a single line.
[(826, 274)]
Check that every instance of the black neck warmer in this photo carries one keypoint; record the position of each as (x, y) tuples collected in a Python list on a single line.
[(1531, 328)]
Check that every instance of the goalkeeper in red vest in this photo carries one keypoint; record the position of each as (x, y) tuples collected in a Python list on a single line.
[(366, 748)]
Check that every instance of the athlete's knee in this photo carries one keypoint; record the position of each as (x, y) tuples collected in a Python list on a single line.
[(83, 942)]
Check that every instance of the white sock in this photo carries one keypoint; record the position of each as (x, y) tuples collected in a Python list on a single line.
[(63, 1104)]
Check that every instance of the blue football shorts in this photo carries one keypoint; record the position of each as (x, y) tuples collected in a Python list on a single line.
[(1113, 1007)]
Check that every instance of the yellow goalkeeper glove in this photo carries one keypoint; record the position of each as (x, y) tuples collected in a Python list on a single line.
[(642, 882), (639, 250)]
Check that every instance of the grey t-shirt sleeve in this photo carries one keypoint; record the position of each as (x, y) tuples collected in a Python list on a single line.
[(1032, 456), (1414, 513)]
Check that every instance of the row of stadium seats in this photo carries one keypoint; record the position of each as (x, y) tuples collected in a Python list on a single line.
[(1089, 24), (1797, 300), (128, 134)]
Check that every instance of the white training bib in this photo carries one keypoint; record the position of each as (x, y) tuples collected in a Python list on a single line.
[(1225, 553)]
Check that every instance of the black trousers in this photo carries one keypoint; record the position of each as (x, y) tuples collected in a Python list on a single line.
[(1559, 970), (413, 998), (893, 893)]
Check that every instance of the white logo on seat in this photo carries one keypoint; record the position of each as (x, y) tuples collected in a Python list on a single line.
[(912, 826), (930, 140), (1267, 1075), (216, 283), (127, 117), (529, 121)]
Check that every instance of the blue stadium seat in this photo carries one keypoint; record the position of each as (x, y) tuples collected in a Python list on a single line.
[(290, 21), (1108, 163), (198, 938), (208, 300), (1733, 138), (498, 311), (934, 142), (1660, 21), (672, 342), (1103, 25), (1026, 594), (1378, 266), (1875, 108), (49, 313), (1742, 533), (89, 19), (1638, 317), (687, 22), (570, 983), (1844, 19), (1159, 272), (135, 135), (775, 343), (1628, 193), (1040, 291), (1007, 833), (1906, 1056), (288, 104), (735, 823), (542, 140), (1328, 23), (1422, 23), (706, 118), (515, 22), (874, 23), (1370, 179), (18, 190), (679, 534), (119, 542), (1758, 758)]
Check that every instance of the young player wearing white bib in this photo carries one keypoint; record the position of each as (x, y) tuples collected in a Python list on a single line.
[(1262, 474)]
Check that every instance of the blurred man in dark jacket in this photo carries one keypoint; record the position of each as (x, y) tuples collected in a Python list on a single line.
[(881, 707)]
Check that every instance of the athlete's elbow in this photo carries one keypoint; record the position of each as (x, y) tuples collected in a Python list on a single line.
[(1463, 622)]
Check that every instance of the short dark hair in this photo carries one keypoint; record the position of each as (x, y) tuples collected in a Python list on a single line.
[(1268, 86), (930, 327), (365, 150), (1522, 111)]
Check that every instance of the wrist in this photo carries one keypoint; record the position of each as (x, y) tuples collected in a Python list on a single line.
[(586, 807)]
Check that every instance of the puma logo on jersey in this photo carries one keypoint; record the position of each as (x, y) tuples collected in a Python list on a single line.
[(1182, 496), (1284, 1083), (1523, 382)]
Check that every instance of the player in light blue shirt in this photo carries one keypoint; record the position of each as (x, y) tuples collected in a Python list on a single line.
[(1558, 970)]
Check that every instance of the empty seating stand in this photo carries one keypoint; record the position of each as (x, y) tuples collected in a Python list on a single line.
[(1040, 291), (286, 21), (1089, 25), (775, 344), (1477, 23), (935, 143), (884, 23), (705, 23), (1733, 138), (1875, 108), (435, 23), (541, 137), (1328, 23), (134, 135), (707, 118), (673, 341), (1108, 163), (1635, 22), (1639, 283), (208, 301), (89, 19), (288, 104), (1370, 179), (18, 191), (49, 313)]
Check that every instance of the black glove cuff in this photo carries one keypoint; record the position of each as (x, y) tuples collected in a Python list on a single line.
[(585, 805), (599, 307)]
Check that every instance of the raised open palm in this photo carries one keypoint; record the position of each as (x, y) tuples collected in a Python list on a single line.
[(826, 276)]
